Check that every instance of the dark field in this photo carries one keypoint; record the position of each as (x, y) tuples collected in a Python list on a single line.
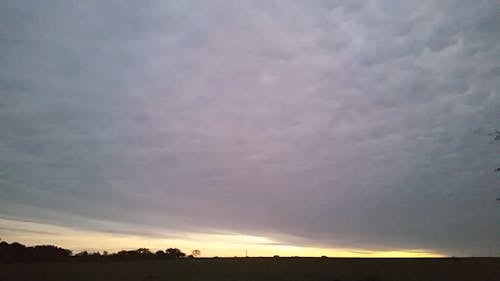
[(233, 269)]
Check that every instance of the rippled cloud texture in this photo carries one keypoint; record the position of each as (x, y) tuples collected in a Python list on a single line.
[(360, 124)]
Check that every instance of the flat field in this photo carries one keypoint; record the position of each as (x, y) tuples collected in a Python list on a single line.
[(263, 269)]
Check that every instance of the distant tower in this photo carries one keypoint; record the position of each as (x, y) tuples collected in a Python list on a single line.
[(246, 253)]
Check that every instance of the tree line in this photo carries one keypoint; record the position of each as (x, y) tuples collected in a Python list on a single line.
[(16, 252)]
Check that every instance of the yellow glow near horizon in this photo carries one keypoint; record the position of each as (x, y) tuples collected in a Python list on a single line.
[(223, 245)]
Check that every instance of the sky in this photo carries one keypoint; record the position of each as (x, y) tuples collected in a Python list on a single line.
[(340, 128)]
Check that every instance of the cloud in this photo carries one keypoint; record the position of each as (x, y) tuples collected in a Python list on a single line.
[(341, 124)]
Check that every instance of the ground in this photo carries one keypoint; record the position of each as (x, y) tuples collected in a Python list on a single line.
[(262, 269)]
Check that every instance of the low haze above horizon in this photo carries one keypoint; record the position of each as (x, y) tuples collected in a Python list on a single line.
[(296, 128)]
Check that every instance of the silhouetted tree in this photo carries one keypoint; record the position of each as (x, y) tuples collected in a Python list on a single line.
[(134, 254), (143, 252), (196, 253), (174, 253), (86, 256), (16, 252), (49, 252), (82, 254)]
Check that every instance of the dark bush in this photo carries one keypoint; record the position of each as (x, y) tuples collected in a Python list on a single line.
[(16, 252)]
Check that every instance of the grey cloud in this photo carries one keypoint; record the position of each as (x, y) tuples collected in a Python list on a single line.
[(343, 123)]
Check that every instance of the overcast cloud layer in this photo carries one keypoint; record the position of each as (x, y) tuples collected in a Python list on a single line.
[(326, 123)]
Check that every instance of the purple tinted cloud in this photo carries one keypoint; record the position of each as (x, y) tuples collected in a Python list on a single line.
[(347, 123)]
